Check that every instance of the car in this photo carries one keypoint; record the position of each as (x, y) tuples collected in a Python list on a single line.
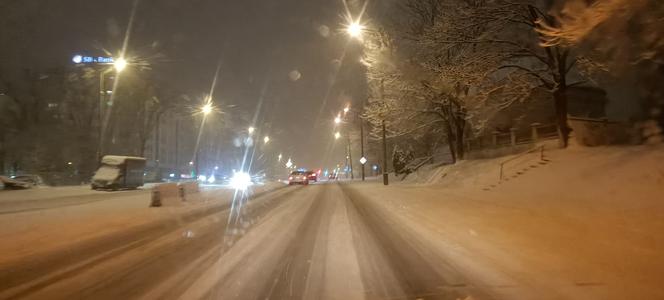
[(332, 176), (298, 177), (21, 181), (313, 176)]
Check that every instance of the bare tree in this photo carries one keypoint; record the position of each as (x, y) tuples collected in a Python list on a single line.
[(494, 48), (623, 37)]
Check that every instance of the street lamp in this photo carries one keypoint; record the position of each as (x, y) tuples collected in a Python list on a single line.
[(266, 139), (355, 29), (251, 129), (338, 120), (206, 109), (120, 64), (337, 135)]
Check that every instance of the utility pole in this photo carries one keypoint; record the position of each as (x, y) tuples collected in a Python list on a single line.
[(385, 174), (177, 146), (350, 159), (101, 115), (362, 144), (157, 147)]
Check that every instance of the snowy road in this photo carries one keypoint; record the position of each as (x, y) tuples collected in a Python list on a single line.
[(301, 242), (344, 241)]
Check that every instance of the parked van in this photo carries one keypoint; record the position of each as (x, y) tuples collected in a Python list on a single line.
[(119, 172)]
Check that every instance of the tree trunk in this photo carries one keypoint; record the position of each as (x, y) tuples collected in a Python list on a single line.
[(560, 100), (2, 151), (451, 141), (461, 126)]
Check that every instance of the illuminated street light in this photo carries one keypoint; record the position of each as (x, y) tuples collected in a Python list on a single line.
[(289, 163), (120, 64), (346, 109), (206, 109), (337, 135), (279, 157), (355, 29), (337, 120), (251, 129), (266, 139)]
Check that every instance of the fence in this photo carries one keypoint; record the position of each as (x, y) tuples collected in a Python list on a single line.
[(514, 137)]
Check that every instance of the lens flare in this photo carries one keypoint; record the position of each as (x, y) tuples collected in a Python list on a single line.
[(240, 181)]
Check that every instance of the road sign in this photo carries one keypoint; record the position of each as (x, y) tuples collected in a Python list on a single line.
[(80, 59), (363, 160)]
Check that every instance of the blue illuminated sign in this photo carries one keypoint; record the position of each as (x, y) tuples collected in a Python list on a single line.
[(80, 59)]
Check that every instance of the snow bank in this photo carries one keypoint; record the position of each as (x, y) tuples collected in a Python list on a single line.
[(116, 212), (586, 225)]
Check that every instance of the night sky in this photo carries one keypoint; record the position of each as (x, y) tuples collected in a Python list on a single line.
[(256, 42)]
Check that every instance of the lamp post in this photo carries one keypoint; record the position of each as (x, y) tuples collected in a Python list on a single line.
[(118, 65), (206, 109), (338, 120)]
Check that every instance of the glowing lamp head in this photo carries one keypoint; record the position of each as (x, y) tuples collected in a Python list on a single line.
[(337, 135), (206, 109), (346, 109), (355, 29), (120, 64), (337, 120), (266, 139), (251, 130)]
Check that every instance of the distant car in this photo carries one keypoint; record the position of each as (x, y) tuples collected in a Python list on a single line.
[(313, 176), (21, 181), (332, 176), (298, 177)]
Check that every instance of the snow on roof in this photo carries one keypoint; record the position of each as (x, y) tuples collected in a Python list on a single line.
[(118, 160)]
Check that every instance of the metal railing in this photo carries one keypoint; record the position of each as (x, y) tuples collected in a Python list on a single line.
[(539, 149), (514, 137)]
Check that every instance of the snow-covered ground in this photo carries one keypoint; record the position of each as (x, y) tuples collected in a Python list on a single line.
[(47, 218), (587, 224)]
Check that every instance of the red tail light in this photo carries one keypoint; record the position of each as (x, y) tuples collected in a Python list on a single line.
[(290, 178)]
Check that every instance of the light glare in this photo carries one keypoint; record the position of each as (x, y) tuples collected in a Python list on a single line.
[(240, 181), (120, 64), (207, 108), (355, 29)]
